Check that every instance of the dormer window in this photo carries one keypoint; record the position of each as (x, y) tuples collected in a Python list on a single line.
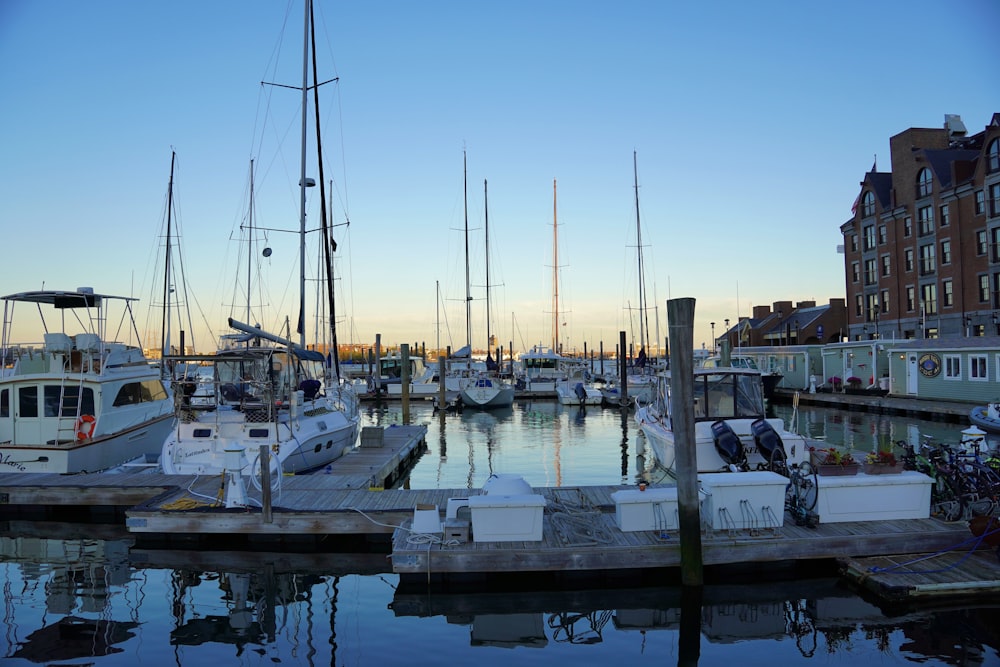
[(924, 182), (993, 156), (868, 205)]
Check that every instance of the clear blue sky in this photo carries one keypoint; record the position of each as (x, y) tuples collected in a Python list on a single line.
[(753, 123)]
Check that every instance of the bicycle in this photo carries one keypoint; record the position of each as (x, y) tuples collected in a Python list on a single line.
[(947, 497), (802, 493)]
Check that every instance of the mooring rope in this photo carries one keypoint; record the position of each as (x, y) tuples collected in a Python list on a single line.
[(975, 540)]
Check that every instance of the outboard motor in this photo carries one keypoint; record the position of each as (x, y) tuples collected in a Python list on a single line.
[(768, 442), (729, 446)]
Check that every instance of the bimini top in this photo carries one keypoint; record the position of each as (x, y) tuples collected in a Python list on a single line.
[(83, 297)]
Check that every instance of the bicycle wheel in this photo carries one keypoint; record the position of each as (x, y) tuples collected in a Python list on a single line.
[(946, 500), (806, 486)]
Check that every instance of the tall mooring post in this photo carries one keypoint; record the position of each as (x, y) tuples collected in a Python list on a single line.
[(622, 371), (404, 380), (680, 328)]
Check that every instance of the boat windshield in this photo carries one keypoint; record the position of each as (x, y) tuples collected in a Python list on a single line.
[(728, 396)]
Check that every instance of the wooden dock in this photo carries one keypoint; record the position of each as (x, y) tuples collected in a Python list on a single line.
[(592, 541), (927, 577), (381, 465)]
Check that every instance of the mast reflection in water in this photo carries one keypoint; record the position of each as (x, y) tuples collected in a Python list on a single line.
[(88, 595)]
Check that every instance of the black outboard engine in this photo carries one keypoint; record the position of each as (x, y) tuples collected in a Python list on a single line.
[(768, 442), (729, 446)]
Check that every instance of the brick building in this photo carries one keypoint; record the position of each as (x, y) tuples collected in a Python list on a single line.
[(922, 250)]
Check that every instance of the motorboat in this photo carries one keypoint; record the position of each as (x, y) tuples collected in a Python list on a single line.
[(79, 401), (732, 430), (771, 377), (578, 389), (486, 390), (986, 417), (261, 395)]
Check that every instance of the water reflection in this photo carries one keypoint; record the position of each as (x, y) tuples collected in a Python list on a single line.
[(78, 599)]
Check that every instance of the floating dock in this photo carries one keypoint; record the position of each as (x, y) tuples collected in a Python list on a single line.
[(905, 579)]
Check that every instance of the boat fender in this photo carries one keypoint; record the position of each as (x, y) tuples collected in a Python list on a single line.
[(85, 427)]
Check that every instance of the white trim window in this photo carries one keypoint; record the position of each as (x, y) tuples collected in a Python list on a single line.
[(977, 368), (952, 367)]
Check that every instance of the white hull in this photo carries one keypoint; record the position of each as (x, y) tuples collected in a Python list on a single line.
[(660, 439), (95, 455), (198, 447), (567, 395), (488, 394)]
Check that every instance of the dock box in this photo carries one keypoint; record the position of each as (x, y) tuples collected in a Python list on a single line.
[(743, 500), (652, 509), (501, 518), (874, 497)]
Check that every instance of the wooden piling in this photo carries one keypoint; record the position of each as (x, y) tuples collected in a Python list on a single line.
[(680, 327), (622, 371), (404, 379)]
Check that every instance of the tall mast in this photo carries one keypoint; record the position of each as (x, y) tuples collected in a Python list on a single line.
[(250, 240), (302, 179), (555, 273), (165, 324), (486, 221), (638, 244), (468, 295)]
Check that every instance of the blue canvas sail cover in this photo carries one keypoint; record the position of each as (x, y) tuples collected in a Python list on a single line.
[(490, 364), (640, 361)]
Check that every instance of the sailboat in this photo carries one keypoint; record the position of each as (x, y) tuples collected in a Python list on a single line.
[(641, 382), (270, 394), (486, 389)]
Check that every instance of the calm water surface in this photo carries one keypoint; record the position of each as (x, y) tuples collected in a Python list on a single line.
[(83, 595)]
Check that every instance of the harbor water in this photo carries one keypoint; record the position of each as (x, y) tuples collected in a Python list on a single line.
[(86, 594)]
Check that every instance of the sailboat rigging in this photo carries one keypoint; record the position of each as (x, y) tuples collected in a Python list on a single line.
[(277, 393)]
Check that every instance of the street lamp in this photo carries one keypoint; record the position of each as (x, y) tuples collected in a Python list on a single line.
[(781, 331), (996, 323), (727, 332), (713, 336), (968, 326), (876, 308)]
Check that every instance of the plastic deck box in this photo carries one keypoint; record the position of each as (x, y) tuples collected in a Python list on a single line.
[(874, 497), (743, 500), (501, 518), (652, 509)]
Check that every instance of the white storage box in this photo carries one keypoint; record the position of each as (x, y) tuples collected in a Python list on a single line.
[(874, 497), (743, 500), (652, 509), (506, 518)]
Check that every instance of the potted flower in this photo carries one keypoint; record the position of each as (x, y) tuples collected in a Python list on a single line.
[(854, 383), (882, 462), (834, 461), (836, 382)]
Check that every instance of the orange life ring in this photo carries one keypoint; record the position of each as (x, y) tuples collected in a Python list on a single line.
[(85, 427)]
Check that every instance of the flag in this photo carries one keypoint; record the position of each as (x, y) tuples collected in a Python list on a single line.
[(854, 206)]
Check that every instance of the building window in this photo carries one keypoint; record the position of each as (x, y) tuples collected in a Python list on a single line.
[(859, 305), (981, 242), (995, 199), (872, 307), (945, 217), (925, 220), (980, 202), (908, 260), (993, 156), (881, 235), (868, 205), (869, 237), (927, 264), (854, 242), (984, 288), (907, 226), (977, 368), (947, 295), (911, 299), (952, 367), (946, 252), (871, 271), (995, 244), (924, 183), (885, 265), (928, 296), (855, 272), (884, 305)]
